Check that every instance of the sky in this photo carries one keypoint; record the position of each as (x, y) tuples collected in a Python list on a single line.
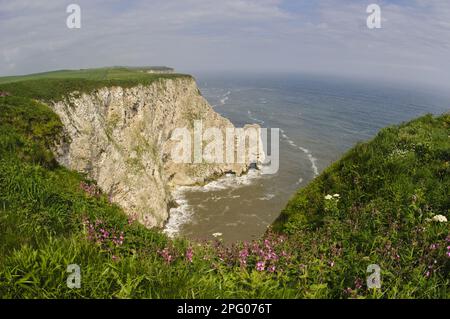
[(322, 36)]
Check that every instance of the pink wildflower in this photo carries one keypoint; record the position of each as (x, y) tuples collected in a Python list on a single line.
[(189, 254), (260, 266)]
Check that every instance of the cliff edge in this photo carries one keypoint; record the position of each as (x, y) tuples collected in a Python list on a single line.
[(120, 137)]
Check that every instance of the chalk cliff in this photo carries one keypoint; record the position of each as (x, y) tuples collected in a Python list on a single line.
[(121, 137)]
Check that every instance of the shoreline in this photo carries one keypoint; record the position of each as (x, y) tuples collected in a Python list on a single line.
[(181, 214)]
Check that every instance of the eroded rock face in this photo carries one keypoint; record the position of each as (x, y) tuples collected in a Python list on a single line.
[(120, 137)]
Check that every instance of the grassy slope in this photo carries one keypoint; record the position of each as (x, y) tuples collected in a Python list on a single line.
[(389, 189), (50, 217), (53, 86)]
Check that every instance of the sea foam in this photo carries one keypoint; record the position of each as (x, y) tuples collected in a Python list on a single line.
[(308, 153), (182, 214)]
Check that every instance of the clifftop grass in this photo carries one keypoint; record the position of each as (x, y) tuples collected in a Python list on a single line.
[(402, 174), (53, 86), (377, 205), (374, 206)]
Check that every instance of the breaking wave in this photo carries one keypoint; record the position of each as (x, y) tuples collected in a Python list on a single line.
[(251, 117), (225, 98), (182, 214), (308, 153), (179, 215)]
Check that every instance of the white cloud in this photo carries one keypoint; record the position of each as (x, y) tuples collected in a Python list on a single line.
[(324, 36)]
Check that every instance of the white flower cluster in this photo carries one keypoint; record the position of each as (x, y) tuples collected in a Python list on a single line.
[(335, 196), (398, 153), (439, 219)]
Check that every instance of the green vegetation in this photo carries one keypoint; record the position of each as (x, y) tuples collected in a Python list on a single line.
[(54, 86), (389, 191)]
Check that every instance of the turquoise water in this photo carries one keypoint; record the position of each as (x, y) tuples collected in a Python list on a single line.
[(319, 119)]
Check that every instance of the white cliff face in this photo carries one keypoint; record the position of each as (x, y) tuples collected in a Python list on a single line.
[(120, 137)]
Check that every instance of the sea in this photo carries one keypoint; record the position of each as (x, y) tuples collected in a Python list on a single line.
[(319, 117)]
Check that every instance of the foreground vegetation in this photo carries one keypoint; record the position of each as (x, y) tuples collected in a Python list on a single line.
[(377, 205)]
